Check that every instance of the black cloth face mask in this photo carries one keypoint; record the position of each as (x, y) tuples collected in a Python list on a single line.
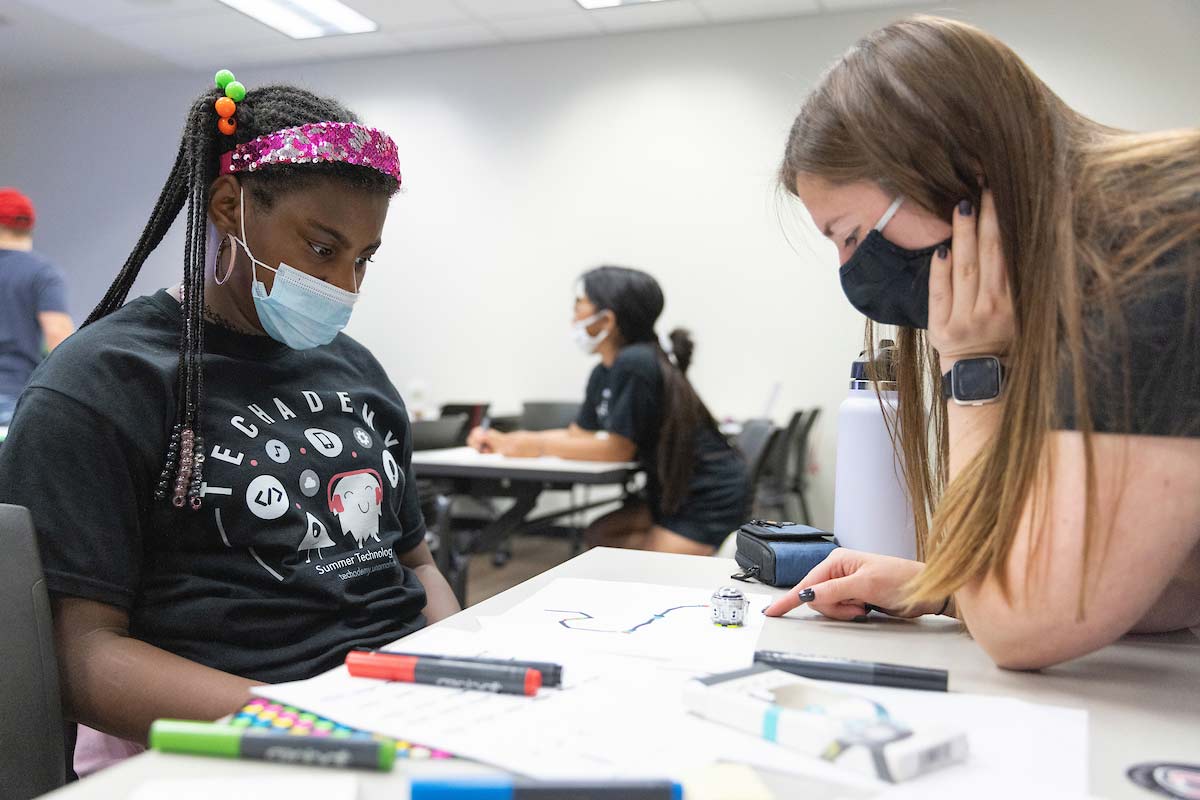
[(887, 283)]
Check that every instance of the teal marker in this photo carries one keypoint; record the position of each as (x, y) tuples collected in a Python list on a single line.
[(226, 741)]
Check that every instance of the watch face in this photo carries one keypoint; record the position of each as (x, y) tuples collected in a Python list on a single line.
[(976, 379)]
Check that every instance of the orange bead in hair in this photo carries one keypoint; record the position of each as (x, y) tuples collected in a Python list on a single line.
[(225, 107), (227, 126)]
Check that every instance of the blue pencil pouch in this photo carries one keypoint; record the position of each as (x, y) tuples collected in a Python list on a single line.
[(780, 553)]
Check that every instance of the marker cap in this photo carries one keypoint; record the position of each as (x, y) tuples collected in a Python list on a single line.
[(202, 738)]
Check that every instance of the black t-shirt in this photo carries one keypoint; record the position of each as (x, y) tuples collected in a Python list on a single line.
[(1143, 367), (308, 496), (627, 399)]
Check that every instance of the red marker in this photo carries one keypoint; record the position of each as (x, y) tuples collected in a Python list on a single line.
[(444, 672)]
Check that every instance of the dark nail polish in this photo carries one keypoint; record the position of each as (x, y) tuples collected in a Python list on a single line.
[(807, 596), (943, 251), (964, 208), (862, 618)]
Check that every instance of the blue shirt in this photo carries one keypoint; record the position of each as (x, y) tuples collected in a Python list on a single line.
[(29, 285)]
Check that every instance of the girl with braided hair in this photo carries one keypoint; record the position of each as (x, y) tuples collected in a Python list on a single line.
[(184, 455)]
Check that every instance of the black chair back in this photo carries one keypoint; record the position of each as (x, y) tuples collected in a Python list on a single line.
[(435, 434), (475, 413), (33, 755), (754, 443), (547, 416)]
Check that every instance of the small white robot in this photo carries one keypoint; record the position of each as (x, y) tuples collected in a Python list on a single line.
[(729, 607)]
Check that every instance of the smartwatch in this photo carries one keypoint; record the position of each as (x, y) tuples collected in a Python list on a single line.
[(974, 381)]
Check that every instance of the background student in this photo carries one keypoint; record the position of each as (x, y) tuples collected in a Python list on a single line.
[(639, 405), (33, 300), (220, 478), (993, 223)]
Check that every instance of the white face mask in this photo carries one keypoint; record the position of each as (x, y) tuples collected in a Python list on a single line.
[(584, 340)]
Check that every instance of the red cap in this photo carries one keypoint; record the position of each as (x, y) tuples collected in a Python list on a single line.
[(16, 210)]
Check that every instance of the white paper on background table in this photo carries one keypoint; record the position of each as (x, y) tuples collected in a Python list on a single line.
[(468, 456), (621, 714)]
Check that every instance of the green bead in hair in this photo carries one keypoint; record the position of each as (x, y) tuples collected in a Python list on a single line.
[(223, 78), (235, 91)]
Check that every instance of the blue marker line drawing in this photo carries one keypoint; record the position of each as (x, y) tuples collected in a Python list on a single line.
[(584, 616)]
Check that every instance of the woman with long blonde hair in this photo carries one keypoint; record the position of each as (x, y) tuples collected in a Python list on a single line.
[(1043, 270)]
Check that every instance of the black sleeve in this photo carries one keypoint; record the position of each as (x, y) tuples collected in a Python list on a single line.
[(1143, 366), (586, 418), (412, 522), (88, 497), (632, 407)]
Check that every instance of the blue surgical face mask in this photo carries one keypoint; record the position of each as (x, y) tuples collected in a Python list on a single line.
[(301, 311)]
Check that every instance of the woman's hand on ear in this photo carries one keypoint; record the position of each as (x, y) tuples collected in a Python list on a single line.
[(970, 301)]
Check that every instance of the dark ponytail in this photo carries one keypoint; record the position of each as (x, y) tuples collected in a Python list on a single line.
[(636, 300), (682, 348), (264, 110)]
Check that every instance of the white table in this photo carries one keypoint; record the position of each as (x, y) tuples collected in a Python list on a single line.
[(468, 463), (1142, 694), (463, 471)]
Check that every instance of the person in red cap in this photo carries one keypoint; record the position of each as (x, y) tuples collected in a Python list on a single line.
[(33, 302)]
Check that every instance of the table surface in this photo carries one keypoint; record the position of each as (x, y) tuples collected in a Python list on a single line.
[(465, 462), (1142, 694)]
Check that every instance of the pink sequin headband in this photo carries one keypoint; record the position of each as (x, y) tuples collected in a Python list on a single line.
[(317, 142)]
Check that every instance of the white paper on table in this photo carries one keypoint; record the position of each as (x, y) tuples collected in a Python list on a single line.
[(624, 716), (616, 717), (668, 624), (1016, 748), (298, 787)]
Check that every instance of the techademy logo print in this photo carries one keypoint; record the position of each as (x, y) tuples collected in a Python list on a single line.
[(302, 483)]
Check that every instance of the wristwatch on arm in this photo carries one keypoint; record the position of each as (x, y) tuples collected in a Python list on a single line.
[(974, 381)]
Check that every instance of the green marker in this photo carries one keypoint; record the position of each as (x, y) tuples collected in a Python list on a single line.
[(213, 739)]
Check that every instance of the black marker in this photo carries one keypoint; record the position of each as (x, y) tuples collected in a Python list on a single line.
[(846, 671)]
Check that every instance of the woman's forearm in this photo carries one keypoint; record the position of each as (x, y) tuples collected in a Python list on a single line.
[(970, 427), (119, 685), (586, 447), (440, 601)]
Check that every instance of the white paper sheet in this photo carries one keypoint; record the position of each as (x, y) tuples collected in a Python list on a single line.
[(620, 712), (616, 716), (667, 624), (299, 787)]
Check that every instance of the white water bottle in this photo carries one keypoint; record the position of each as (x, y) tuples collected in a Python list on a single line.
[(871, 510)]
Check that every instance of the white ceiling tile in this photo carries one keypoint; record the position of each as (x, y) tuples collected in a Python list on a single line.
[(498, 9), (296, 50), (727, 10), (663, 14), (855, 5), (545, 27), (35, 45), (166, 35), (446, 36), (113, 10), (398, 14)]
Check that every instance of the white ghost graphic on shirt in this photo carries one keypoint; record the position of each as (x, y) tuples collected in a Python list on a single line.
[(357, 500)]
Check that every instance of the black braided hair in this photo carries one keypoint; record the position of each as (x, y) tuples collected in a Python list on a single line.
[(264, 110)]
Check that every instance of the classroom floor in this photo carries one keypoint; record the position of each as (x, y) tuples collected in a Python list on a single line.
[(532, 555)]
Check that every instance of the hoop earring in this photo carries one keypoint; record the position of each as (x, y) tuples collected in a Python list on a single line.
[(225, 245)]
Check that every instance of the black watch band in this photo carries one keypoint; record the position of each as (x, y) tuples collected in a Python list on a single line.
[(977, 363)]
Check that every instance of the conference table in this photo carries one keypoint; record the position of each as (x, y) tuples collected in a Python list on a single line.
[(1142, 694)]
